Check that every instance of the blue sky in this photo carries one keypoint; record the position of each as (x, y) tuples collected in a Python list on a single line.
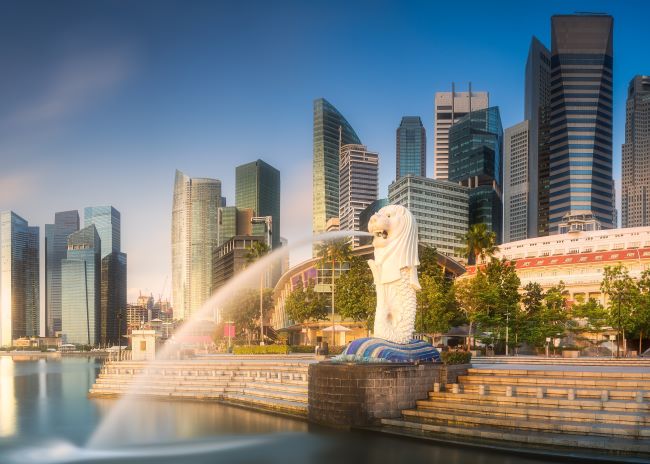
[(101, 101)]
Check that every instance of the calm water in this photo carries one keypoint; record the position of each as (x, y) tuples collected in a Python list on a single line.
[(45, 416)]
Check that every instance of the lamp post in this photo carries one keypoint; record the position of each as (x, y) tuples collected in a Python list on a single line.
[(618, 335), (119, 335), (268, 222), (548, 340)]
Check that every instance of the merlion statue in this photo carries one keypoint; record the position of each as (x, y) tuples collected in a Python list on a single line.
[(396, 279), (394, 270)]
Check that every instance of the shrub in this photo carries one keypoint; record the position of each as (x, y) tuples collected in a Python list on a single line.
[(260, 349), (334, 350), (302, 349), (456, 357)]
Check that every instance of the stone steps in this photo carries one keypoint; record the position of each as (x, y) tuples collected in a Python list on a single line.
[(542, 425), (525, 401), (269, 385), (495, 436), (558, 373), (541, 360), (533, 391), (554, 381), (639, 417)]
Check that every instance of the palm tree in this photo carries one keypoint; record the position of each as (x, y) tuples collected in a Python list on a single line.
[(256, 251), (480, 243), (332, 252)]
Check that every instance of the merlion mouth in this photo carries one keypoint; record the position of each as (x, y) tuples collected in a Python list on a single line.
[(381, 234)]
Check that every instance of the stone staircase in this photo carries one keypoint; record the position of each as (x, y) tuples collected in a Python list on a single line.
[(563, 407), (273, 385)]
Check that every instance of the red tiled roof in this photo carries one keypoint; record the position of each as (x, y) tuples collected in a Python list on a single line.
[(578, 258)]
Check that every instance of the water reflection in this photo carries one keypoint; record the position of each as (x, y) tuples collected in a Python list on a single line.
[(7, 397)]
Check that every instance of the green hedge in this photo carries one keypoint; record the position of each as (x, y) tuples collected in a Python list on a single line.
[(260, 349), (302, 349), (456, 357)]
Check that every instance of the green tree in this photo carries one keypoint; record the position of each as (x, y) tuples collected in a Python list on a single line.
[(243, 309), (480, 243), (257, 251), (355, 293), (527, 319), (469, 296), (330, 253), (642, 318), (592, 312), (623, 296), (305, 304)]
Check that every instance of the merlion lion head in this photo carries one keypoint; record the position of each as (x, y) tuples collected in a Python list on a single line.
[(395, 237)]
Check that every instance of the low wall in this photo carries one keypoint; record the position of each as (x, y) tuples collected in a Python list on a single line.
[(347, 395)]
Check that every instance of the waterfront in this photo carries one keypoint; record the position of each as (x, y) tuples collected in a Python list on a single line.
[(47, 417)]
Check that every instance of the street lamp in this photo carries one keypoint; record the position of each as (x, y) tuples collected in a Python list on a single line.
[(618, 343), (548, 340), (268, 221), (119, 335)]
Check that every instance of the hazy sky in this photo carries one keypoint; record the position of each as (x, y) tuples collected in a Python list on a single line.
[(101, 101)]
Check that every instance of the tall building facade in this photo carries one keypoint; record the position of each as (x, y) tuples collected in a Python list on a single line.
[(194, 240), (411, 156), (19, 279), (518, 177), (635, 201), (81, 287), (331, 131), (440, 209), (537, 100), (449, 108), (234, 221), (257, 187), (107, 221), (358, 185), (580, 160), (476, 161), (112, 301), (56, 247)]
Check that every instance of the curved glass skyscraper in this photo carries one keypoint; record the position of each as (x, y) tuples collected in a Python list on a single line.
[(194, 239), (475, 161), (331, 131)]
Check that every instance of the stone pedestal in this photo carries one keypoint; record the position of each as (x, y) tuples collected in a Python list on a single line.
[(347, 395)]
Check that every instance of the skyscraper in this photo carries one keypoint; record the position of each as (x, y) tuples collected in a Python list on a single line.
[(234, 221), (81, 286), (108, 222), (56, 247), (19, 279), (518, 170), (635, 201), (411, 148), (194, 240), (331, 131), (537, 102), (257, 187), (580, 179), (475, 161), (449, 108), (358, 185), (112, 300)]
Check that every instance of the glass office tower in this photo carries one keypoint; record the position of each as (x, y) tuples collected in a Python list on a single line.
[(107, 221), (195, 237), (331, 131), (80, 280), (257, 187), (56, 247), (581, 119), (19, 279), (411, 148), (475, 161)]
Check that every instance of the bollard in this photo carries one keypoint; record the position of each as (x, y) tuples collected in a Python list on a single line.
[(639, 397), (571, 394), (604, 396), (481, 390), (540, 392), (509, 391), (455, 389), (436, 387)]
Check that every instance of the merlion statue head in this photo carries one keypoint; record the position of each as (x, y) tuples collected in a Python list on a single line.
[(395, 238)]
